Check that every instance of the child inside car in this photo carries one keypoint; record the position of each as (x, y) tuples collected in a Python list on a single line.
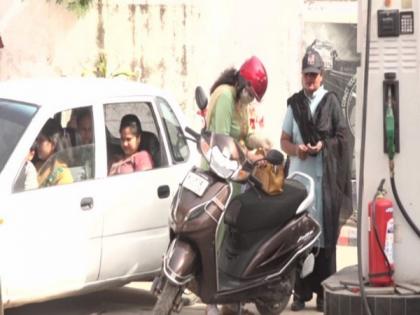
[(133, 159)]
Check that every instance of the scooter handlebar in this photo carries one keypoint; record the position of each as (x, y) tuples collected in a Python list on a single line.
[(192, 133)]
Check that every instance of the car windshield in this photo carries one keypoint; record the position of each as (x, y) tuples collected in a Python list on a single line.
[(14, 118)]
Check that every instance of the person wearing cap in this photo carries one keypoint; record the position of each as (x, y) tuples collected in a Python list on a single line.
[(316, 139), (227, 114)]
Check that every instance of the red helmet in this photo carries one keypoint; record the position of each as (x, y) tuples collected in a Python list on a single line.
[(254, 72)]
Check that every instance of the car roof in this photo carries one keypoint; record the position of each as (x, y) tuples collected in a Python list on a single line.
[(49, 91)]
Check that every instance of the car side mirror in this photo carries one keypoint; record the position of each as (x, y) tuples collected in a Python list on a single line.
[(200, 98)]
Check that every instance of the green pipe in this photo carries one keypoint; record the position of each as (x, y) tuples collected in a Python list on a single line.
[(390, 128)]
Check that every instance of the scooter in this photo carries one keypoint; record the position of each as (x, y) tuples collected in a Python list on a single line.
[(235, 249)]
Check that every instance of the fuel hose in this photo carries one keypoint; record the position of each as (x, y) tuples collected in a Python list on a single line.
[(390, 139), (404, 212), (362, 163)]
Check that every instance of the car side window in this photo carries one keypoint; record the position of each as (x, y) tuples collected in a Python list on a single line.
[(177, 142), (62, 153), (146, 154)]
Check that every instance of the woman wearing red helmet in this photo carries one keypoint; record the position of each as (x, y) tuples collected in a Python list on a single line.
[(229, 97), (227, 114)]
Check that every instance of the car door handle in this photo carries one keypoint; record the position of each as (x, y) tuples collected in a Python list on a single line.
[(163, 191), (86, 203)]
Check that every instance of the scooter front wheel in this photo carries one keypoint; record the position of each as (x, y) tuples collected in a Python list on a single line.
[(165, 301)]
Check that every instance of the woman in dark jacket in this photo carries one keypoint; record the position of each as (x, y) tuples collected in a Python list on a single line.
[(315, 136)]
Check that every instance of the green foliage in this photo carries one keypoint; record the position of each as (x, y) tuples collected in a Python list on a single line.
[(101, 66), (101, 69), (78, 6)]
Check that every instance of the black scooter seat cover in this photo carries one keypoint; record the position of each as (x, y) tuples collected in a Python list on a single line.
[(254, 210)]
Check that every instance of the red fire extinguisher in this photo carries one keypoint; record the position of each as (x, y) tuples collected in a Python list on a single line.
[(381, 240)]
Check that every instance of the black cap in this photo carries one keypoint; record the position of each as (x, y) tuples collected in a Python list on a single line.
[(312, 62)]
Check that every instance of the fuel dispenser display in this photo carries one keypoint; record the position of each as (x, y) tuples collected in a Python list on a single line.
[(388, 23), (393, 23)]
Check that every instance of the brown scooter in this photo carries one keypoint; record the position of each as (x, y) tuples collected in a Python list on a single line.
[(235, 250)]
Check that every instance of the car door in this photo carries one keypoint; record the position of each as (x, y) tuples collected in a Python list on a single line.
[(51, 235), (136, 217)]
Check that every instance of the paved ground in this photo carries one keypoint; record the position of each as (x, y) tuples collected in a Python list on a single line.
[(135, 299)]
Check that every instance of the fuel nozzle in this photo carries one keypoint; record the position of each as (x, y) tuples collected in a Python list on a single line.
[(390, 126)]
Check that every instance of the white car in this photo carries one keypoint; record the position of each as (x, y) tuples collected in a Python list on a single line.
[(99, 230)]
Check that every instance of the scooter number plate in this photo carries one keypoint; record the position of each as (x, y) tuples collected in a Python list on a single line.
[(196, 184)]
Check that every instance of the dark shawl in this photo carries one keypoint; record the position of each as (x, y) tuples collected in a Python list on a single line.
[(328, 125)]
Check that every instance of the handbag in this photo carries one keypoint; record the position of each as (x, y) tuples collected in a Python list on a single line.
[(271, 178)]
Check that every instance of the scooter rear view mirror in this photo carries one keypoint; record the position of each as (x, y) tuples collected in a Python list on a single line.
[(200, 98), (275, 157)]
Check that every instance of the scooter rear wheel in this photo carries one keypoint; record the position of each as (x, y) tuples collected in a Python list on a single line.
[(274, 309), (165, 301), (280, 295)]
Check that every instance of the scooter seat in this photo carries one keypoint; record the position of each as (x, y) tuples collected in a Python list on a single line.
[(254, 210)]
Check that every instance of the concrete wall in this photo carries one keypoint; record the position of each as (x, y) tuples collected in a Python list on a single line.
[(174, 44)]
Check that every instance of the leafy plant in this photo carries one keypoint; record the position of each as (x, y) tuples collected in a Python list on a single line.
[(101, 66), (101, 69), (78, 6)]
